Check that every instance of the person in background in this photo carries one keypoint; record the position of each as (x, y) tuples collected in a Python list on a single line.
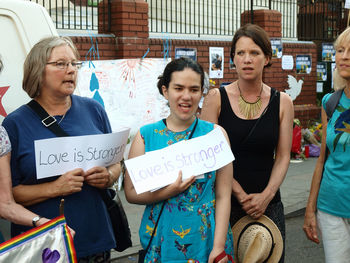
[(259, 122), (328, 206), (9, 209), (194, 224), (50, 76)]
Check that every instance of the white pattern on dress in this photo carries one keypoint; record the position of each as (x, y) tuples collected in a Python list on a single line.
[(5, 145)]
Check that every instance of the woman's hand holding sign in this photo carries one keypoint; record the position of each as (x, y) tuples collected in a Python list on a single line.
[(102, 177), (98, 177), (179, 185), (69, 182)]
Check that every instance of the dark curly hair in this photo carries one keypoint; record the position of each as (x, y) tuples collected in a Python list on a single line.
[(179, 65)]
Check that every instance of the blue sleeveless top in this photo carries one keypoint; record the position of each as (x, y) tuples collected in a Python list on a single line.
[(186, 227)]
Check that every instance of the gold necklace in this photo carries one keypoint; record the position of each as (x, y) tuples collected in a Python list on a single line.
[(249, 109)]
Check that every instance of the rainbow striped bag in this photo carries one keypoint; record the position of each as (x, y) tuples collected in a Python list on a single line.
[(48, 243)]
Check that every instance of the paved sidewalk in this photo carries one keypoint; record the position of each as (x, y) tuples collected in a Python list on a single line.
[(296, 186), (294, 191)]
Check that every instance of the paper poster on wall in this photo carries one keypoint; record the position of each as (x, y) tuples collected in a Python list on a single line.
[(303, 64), (186, 52), (319, 87), (328, 52), (332, 70), (321, 71), (216, 62), (287, 62), (347, 4), (127, 88), (277, 47), (231, 64)]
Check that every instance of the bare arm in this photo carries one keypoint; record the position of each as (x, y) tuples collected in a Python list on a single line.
[(255, 204), (211, 106), (9, 209), (68, 183), (210, 112), (310, 222), (223, 207), (137, 149), (280, 167)]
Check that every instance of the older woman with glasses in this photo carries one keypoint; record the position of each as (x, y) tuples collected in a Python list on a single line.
[(50, 75)]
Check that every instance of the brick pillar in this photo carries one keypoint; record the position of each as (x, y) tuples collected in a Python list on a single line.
[(269, 20), (129, 23)]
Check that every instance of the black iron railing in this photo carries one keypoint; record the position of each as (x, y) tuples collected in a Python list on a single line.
[(219, 17), (321, 19), (301, 19), (78, 14)]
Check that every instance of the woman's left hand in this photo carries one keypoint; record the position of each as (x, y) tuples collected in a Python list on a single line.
[(255, 205), (98, 177)]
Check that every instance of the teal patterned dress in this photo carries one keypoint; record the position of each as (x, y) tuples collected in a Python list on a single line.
[(185, 231)]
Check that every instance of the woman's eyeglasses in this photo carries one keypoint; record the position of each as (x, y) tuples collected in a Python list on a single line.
[(65, 64)]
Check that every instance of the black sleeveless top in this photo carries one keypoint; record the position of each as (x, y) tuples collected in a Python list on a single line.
[(254, 157)]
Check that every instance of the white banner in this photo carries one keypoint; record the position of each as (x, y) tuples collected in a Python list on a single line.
[(193, 157), (56, 156)]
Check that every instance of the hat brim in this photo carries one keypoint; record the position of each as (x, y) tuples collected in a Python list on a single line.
[(277, 237)]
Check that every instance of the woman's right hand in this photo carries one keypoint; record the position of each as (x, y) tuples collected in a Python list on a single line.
[(179, 186), (310, 226), (70, 182)]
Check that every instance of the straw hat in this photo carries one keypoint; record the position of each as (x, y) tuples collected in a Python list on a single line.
[(257, 241)]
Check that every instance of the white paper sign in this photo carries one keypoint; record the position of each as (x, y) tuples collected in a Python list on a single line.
[(319, 87), (347, 4), (193, 157), (216, 62), (287, 62), (56, 156)]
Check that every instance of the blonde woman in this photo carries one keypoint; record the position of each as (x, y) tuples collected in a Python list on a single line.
[(328, 207)]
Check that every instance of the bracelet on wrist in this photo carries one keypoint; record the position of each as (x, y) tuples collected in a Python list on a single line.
[(110, 180)]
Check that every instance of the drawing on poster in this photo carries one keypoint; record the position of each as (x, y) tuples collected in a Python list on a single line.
[(216, 57), (321, 71), (277, 47), (328, 52), (303, 64), (127, 88)]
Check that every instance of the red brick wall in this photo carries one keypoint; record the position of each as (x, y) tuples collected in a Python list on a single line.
[(129, 23), (274, 76), (106, 47), (269, 20), (130, 28)]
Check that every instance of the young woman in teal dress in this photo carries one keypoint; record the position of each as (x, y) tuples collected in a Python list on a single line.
[(194, 224)]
